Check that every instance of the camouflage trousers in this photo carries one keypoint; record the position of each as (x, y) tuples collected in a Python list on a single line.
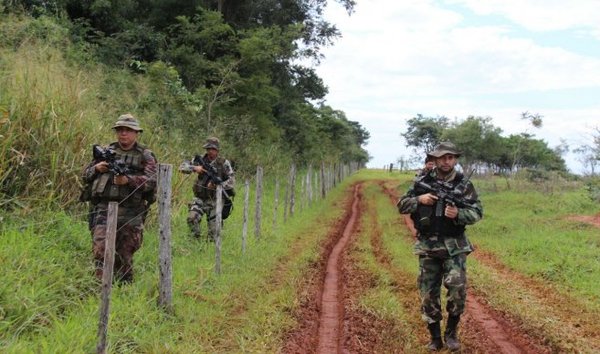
[(197, 209), (128, 241), (433, 272)]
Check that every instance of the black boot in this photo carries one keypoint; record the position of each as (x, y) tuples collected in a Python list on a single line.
[(436, 337), (451, 334)]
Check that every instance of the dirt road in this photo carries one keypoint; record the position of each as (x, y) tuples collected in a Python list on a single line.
[(329, 321)]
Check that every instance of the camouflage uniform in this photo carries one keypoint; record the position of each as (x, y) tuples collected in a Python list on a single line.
[(134, 199), (442, 247), (205, 202)]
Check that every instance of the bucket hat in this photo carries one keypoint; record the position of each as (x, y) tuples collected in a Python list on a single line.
[(444, 148), (128, 121)]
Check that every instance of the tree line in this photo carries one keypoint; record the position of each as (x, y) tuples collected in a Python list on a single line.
[(483, 145), (189, 70), (231, 68)]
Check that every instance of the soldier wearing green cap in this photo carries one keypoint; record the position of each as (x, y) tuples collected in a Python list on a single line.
[(133, 186), (204, 202), (442, 245)]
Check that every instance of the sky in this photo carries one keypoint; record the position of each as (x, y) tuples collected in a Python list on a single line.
[(457, 58)]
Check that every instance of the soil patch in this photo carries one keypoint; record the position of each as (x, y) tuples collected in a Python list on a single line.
[(592, 220), (320, 314)]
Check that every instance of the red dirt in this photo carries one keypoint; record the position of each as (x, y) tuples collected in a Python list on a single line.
[(330, 321), (314, 331), (592, 220), (331, 306), (484, 329)]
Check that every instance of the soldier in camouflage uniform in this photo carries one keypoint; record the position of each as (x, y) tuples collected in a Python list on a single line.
[(442, 245), (429, 165), (134, 191), (204, 189)]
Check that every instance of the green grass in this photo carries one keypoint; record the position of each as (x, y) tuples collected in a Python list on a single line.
[(52, 302), (530, 232)]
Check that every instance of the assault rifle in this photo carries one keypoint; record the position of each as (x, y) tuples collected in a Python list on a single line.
[(209, 170), (116, 166), (447, 194)]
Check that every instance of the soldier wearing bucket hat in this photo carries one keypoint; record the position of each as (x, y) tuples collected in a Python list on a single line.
[(133, 185), (128, 121), (442, 245), (211, 164)]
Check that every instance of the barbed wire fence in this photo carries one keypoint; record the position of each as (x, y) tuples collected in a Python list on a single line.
[(314, 184)]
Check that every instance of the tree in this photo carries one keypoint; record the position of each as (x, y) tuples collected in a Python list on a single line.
[(424, 133), (590, 153), (477, 138)]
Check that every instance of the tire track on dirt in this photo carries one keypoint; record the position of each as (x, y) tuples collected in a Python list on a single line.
[(484, 329), (331, 300), (321, 313)]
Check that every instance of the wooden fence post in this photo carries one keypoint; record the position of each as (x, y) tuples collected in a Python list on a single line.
[(276, 202), (258, 211), (165, 295), (309, 185), (286, 200), (292, 189), (218, 224), (323, 186), (302, 196), (107, 275), (246, 206)]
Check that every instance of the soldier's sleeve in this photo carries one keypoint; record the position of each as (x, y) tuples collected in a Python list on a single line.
[(408, 203), (146, 181), (230, 183), (89, 172), (472, 213)]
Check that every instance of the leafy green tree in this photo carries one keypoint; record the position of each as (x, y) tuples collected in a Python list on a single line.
[(424, 133), (477, 137)]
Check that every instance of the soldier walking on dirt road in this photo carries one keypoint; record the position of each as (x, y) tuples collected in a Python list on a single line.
[(441, 203)]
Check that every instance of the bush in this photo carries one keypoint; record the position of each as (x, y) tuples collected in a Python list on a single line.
[(593, 188)]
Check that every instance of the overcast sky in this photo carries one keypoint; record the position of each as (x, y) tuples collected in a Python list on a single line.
[(497, 58)]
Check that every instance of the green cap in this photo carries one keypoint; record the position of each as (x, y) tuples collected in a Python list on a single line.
[(128, 121)]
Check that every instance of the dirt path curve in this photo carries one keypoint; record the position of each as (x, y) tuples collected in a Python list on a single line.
[(331, 305), (484, 329)]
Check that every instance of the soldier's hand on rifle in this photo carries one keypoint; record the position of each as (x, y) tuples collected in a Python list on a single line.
[(427, 199), (121, 180), (199, 169), (210, 185), (451, 211), (101, 167)]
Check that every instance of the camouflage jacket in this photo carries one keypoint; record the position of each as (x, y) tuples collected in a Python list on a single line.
[(451, 240), (141, 186), (224, 171)]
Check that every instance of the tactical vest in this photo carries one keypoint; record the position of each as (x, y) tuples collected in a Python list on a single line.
[(103, 188), (425, 220), (200, 187)]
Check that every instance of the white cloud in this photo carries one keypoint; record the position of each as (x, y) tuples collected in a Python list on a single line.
[(542, 15), (400, 58)]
